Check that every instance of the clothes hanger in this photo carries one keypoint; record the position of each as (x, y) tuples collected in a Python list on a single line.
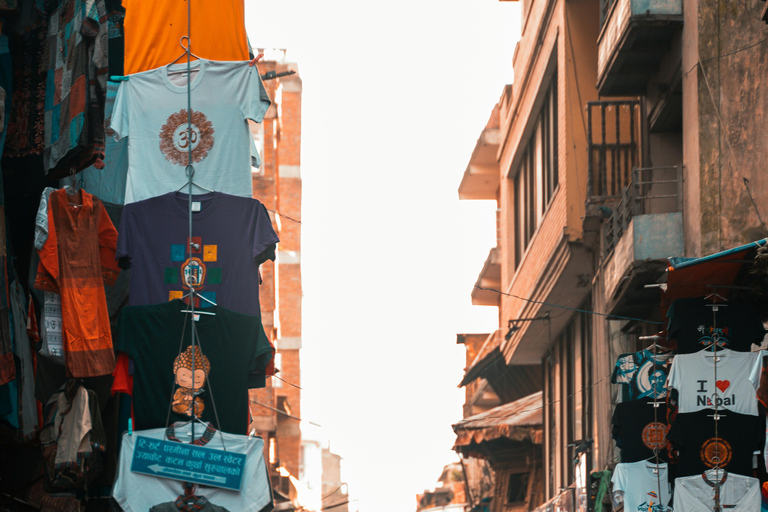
[(186, 51), (73, 189), (192, 183)]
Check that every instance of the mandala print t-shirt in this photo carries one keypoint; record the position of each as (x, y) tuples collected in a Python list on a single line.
[(643, 374), (151, 110)]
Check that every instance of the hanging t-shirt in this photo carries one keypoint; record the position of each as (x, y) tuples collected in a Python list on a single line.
[(738, 376), (694, 325), (737, 493), (639, 428), (153, 31), (730, 447), (643, 374), (641, 482), (232, 236), (231, 349), (151, 110), (136, 492)]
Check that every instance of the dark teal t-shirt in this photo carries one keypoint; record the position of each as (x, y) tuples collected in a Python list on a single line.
[(234, 345)]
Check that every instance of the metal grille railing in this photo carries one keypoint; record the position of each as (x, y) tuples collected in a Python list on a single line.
[(614, 147), (652, 190)]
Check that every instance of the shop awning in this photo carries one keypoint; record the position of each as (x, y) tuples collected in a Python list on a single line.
[(697, 277), (517, 421)]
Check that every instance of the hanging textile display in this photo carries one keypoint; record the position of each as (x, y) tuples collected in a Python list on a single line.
[(151, 110), (137, 492), (233, 236), (76, 260), (642, 486), (717, 491), (728, 445), (76, 85), (691, 325), (738, 376), (642, 374), (639, 428), (233, 350), (218, 31)]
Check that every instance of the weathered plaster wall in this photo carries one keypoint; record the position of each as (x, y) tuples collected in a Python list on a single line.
[(732, 102)]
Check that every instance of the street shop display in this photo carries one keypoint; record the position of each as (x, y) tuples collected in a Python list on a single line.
[(138, 492), (226, 94), (717, 490), (233, 237), (705, 421), (642, 486), (232, 349), (642, 374), (138, 311)]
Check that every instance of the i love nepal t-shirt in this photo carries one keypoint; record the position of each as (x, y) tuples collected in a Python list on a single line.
[(734, 387)]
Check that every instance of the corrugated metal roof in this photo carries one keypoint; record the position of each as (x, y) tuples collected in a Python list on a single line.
[(518, 421)]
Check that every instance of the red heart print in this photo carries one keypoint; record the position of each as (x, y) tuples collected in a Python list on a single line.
[(722, 385)]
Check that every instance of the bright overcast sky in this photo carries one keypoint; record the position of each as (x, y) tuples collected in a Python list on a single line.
[(395, 95)]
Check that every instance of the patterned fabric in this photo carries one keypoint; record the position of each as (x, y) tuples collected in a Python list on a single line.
[(41, 220), (27, 43), (78, 254), (76, 84), (642, 374), (23, 351)]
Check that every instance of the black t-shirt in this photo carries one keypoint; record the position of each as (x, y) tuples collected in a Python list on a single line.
[(234, 347), (692, 324), (738, 436), (637, 431)]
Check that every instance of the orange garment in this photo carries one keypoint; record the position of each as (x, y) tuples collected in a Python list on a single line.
[(78, 258), (152, 31)]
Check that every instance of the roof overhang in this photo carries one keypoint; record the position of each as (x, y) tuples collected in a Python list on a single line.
[(481, 177), (488, 281), (518, 421), (566, 284)]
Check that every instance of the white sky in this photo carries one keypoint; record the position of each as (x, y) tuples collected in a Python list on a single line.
[(395, 95)]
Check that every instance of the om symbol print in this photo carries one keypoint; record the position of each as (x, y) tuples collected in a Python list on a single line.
[(176, 138)]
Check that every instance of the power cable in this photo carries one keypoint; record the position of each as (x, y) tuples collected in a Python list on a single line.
[(607, 315)]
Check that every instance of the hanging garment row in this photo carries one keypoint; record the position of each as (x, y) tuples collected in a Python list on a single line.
[(688, 425)]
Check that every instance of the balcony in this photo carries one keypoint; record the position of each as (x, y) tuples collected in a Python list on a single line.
[(641, 232), (634, 37)]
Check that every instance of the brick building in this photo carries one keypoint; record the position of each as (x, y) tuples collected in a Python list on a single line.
[(276, 409), (632, 134)]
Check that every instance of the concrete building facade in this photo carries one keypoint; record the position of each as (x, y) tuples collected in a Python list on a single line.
[(632, 134)]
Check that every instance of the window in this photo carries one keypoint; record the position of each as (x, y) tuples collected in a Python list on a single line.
[(517, 488), (536, 178)]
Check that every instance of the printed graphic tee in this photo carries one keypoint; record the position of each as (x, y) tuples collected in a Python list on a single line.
[(738, 376), (136, 492), (641, 486), (642, 374), (695, 326), (701, 447), (231, 349), (639, 428), (151, 110), (232, 236), (697, 493)]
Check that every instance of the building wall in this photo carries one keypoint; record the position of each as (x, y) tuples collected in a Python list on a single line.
[(731, 101), (556, 34), (278, 186)]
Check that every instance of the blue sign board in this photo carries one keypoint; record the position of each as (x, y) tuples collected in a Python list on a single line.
[(188, 463)]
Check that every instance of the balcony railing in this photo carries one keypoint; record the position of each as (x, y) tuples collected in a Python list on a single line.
[(614, 147), (653, 190)]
